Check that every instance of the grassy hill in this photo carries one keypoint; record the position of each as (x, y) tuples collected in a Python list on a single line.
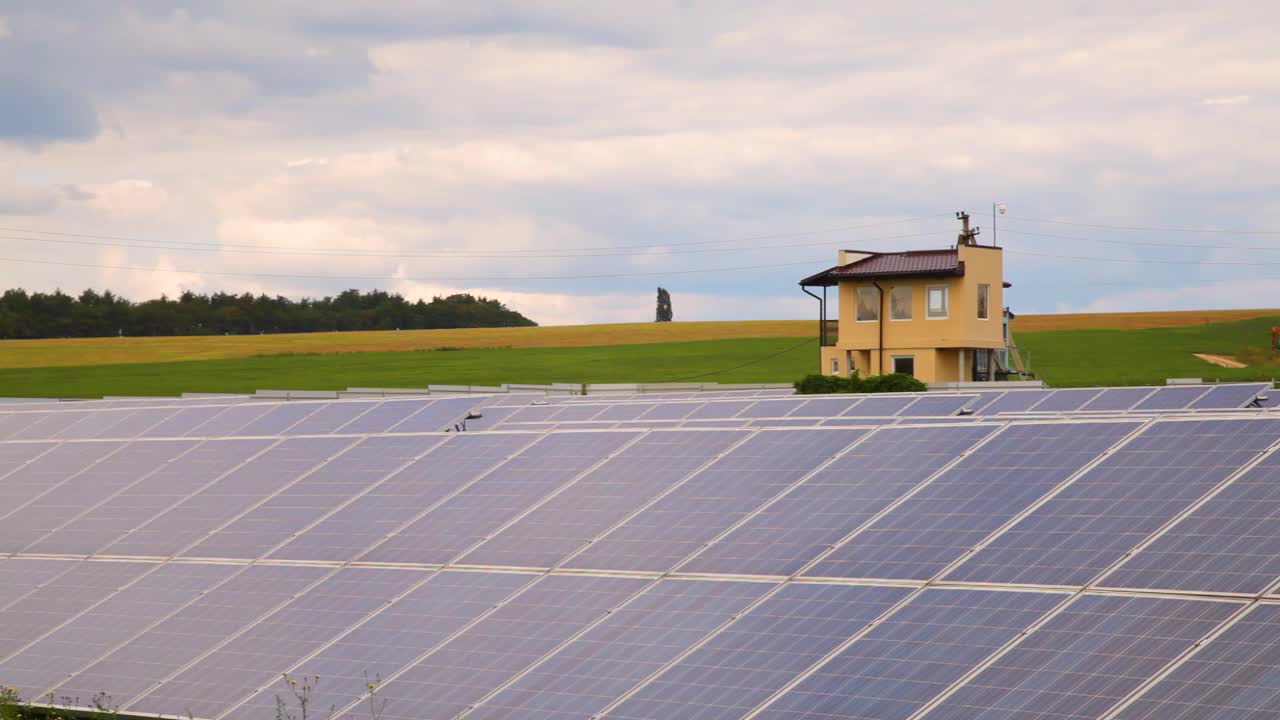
[(1066, 350)]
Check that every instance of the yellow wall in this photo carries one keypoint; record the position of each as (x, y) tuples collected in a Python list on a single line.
[(935, 343)]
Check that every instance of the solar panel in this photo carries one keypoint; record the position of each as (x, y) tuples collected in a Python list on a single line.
[(61, 598), (718, 410), (1084, 659), (1172, 398), (383, 417), (480, 509), (954, 512), (1095, 520), (435, 416), (20, 576), (278, 419), (825, 407), (47, 662), (759, 653), (601, 499), (791, 532), (872, 406), (27, 522), (328, 417), (1066, 400), (679, 524), (229, 421), (60, 464), (184, 636), (1229, 396), (314, 496), (1014, 401), (911, 657), (1229, 544), (208, 687), (351, 529), (1233, 676), (181, 423), (614, 656), (388, 641), (97, 525), (499, 647), (937, 405), (771, 408), (134, 423), (239, 490), (1118, 398)]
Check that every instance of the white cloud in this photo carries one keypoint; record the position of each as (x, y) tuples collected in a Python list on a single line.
[(5, 30), (1228, 100)]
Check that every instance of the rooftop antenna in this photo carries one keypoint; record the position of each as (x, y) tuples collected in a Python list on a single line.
[(967, 236), (1000, 208)]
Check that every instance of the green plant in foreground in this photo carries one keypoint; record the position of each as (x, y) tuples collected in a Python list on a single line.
[(13, 707)]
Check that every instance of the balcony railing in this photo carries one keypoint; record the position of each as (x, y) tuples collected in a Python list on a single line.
[(830, 332)]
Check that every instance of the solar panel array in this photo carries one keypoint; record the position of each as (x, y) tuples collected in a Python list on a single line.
[(1076, 553)]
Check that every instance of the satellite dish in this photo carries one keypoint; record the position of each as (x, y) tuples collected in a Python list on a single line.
[(1001, 207)]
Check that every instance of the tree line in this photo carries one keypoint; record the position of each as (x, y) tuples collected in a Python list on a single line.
[(26, 315)]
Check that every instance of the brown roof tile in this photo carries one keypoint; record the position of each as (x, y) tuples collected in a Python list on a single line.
[(911, 262)]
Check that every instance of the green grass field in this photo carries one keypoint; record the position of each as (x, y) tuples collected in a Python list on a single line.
[(1109, 356), (773, 360), (1064, 356)]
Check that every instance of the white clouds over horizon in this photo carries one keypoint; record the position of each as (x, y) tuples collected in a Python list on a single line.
[(516, 139)]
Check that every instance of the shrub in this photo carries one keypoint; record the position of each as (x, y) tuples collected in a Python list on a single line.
[(827, 384)]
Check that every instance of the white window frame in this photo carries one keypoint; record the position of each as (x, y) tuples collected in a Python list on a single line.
[(857, 303), (835, 365), (984, 300), (893, 363), (946, 303), (910, 309)]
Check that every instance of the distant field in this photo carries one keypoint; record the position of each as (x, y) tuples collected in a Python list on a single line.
[(115, 350), (771, 360), (1065, 350), (1110, 356)]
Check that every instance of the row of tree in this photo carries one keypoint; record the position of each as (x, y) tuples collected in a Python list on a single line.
[(94, 314)]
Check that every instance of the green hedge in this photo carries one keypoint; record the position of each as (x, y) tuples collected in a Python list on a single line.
[(828, 384)]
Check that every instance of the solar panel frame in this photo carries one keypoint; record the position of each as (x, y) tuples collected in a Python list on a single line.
[(1173, 397)]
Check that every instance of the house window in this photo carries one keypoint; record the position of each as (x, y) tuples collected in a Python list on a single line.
[(900, 303), (936, 302), (905, 364), (868, 304), (835, 366), (984, 297)]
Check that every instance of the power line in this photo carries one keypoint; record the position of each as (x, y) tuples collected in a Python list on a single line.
[(478, 253), (378, 255), (757, 361), (1146, 228), (1145, 243), (479, 278), (1146, 261)]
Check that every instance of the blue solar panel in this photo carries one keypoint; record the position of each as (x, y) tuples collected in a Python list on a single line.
[(23, 524), (61, 598), (1066, 400), (770, 408), (42, 426), (1233, 677), (636, 640), (212, 618), (1229, 396), (279, 419), (1085, 659), (19, 576), (952, 514), (312, 497), (880, 406), (824, 508), (29, 481), (1172, 398), (389, 641), (825, 407), (499, 647), (603, 498), (1113, 399), (1014, 401), (374, 515), (331, 416), (937, 405), (230, 420), (742, 665), (1103, 514), (135, 423), (1229, 544), (221, 501), (624, 411), (439, 415), (46, 663), (184, 421), (242, 665), (674, 411), (680, 523), (480, 509), (96, 526), (911, 657), (719, 410)]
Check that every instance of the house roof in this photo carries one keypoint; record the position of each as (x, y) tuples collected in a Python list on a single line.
[(936, 263)]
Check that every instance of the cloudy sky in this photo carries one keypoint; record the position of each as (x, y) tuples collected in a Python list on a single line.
[(568, 156)]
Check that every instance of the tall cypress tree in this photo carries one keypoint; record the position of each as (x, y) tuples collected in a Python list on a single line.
[(664, 306)]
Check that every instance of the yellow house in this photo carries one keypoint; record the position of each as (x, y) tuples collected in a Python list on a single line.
[(934, 314)]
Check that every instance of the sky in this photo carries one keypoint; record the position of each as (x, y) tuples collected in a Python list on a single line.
[(567, 157)]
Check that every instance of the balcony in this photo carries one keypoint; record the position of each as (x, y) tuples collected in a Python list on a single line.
[(829, 332)]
